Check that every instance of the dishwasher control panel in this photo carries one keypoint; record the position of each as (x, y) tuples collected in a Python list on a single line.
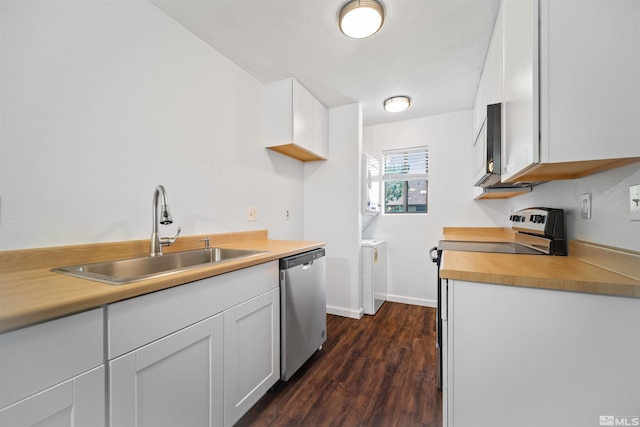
[(303, 258)]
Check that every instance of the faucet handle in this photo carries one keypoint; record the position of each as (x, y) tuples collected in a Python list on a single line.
[(167, 241), (206, 241)]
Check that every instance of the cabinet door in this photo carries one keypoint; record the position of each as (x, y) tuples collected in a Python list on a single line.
[(590, 104), (278, 108), (251, 353), (320, 129), (520, 142), (490, 86), (480, 155), (76, 402), (493, 66), (531, 357), (302, 117), (175, 381), (479, 106)]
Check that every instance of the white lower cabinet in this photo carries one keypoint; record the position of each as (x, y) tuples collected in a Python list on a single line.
[(175, 381), (518, 356), (76, 402), (251, 353), (208, 374), (199, 354), (52, 374)]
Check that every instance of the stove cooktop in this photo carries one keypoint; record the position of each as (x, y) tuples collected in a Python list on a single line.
[(493, 247)]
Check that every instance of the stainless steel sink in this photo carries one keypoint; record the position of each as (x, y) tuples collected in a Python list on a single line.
[(121, 272)]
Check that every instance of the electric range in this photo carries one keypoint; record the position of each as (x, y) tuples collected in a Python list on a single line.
[(538, 231)]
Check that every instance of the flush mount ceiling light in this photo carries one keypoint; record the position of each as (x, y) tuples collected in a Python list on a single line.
[(397, 104), (361, 18)]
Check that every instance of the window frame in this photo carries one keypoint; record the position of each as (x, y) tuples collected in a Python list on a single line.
[(414, 166)]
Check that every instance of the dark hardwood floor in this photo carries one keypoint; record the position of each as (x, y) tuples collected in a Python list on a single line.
[(376, 371)]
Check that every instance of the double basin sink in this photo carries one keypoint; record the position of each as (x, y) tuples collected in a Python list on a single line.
[(122, 272)]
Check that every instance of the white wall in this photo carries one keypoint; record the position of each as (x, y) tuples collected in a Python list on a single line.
[(411, 274), (102, 101), (610, 223), (332, 205)]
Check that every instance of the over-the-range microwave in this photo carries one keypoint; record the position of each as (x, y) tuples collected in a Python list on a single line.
[(486, 149), (487, 156)]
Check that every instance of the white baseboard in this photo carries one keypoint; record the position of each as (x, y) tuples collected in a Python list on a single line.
[(345, 312), (412, 301), (357, 314)]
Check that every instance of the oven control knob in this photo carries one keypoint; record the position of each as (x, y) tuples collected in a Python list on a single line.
[(538, 219)]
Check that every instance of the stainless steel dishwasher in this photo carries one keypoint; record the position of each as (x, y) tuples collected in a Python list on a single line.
[(303, 309)]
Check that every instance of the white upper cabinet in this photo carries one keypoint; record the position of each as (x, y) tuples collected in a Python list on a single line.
[(571, 87), (493, 66), (296, 123), (480, 155), (479, 107), (520, 87), (490, 86)]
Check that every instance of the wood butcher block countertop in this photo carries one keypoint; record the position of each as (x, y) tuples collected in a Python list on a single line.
[(589, 267), (31, 293)]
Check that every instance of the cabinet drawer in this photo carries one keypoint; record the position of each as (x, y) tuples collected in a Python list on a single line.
[(37, 357), (139, 321)]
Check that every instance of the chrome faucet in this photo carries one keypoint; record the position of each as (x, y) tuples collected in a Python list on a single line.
[(158, 242)]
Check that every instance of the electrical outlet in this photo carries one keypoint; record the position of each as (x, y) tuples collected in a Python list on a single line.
[(287, 215), (634, 202), (585, 206), (252, 214)]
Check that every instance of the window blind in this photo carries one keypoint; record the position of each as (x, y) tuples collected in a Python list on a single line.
[(406, 164)]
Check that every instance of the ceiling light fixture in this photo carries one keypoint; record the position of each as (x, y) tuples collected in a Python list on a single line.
[(397, 103), (361, 18)]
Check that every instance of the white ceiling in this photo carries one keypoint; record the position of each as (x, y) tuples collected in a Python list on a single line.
[(430, 50)]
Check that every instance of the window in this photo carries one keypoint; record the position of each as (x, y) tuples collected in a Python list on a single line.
[(406, 179)]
